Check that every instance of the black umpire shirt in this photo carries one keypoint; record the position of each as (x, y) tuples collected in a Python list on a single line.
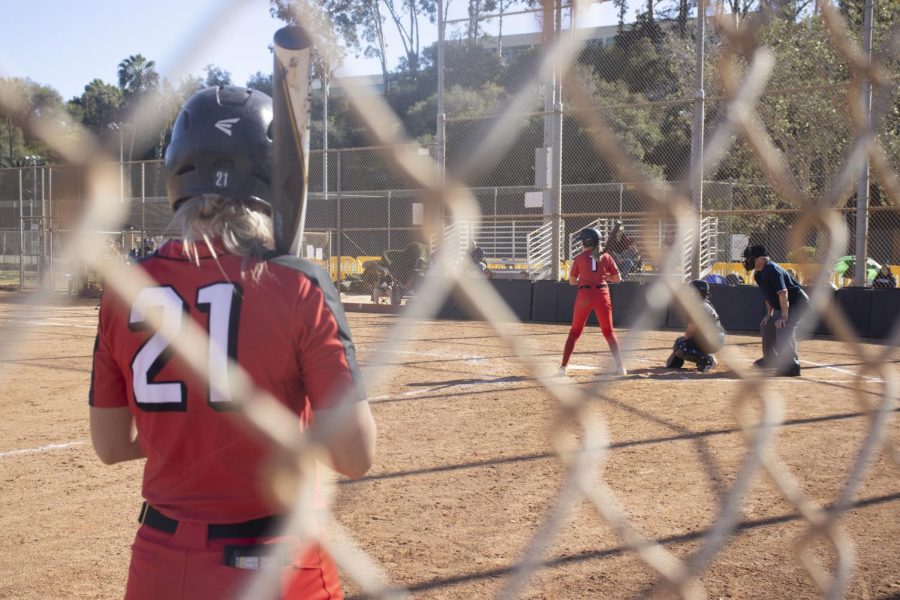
[(773, 279)]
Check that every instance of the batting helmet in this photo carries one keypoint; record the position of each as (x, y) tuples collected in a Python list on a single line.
[(751, 253), (589, 235), (222, 144), (702, 287)]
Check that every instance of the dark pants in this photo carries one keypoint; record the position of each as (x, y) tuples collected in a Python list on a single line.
[(689, 350), (779, 342)]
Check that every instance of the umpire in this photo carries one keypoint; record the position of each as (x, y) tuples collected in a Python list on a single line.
[(784, 296)]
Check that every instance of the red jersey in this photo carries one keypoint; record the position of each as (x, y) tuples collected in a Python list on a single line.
[(287, 331), (590, 271)]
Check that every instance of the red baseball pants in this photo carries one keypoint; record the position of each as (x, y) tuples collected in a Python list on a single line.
[(185, 565), (588, 299)]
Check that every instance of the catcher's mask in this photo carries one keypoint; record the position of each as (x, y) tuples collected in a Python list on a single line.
[(702, 287), (589, 237), (751, 253), (222, 144)]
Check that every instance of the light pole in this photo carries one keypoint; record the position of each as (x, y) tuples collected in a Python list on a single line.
[(34, 162), (120, 127), (34, 198)]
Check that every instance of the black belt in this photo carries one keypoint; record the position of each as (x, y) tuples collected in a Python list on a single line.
[(256, 528), (587, 287)]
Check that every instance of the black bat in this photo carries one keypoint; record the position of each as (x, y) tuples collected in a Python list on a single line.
[(612, 240), (290, 136)]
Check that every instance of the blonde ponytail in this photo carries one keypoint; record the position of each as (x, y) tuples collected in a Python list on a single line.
[(243, 231)]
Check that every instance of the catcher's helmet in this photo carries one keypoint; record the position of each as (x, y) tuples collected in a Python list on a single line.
[(702, 287), (589, 235), (222, 144), (751, 253)]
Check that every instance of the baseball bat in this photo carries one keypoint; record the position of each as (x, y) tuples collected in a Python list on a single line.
[(290, 136), (612, 237)]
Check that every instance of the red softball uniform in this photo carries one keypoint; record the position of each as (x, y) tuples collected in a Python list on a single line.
[(590, 271), (593, 294), (288, 332)]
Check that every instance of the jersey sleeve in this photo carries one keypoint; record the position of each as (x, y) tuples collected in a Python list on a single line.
[(326, 354), (575, 269), (108, 387)]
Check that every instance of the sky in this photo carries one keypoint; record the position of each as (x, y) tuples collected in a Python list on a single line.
[(67, 43)]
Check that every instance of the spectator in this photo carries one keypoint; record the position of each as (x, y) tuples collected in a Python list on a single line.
[(734, 279), (884, 279), (478, 257)]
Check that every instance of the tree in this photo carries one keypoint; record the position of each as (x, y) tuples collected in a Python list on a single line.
[(99, 105), (787, 10), (636, 128), (739, 9), (360, 25), (137, 80), (38, 101), (811, 129), (137, 76), (260, 81), (190, 85), (216, 76), (477, 10)]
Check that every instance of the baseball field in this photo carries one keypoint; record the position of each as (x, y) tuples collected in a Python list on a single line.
[(466, 470)]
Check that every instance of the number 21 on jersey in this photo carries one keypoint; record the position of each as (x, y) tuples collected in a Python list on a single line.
[(222, 302)]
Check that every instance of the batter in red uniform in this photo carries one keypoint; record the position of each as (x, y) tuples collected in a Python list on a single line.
[(591, 272), (206, 521)]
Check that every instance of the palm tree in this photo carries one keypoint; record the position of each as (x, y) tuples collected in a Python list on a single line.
[(137, 78), (137, 75)]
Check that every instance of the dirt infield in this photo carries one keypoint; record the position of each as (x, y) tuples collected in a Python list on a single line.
[(465, 470)]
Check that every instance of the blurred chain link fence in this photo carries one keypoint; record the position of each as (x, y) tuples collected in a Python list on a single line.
[(371, 200)]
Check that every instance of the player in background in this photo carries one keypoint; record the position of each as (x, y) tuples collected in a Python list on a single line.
[(695, 347), (783, 295), (207, 520), (885, 278), (591, 271)]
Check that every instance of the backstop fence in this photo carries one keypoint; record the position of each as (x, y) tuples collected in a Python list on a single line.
[(374, 206), (365, 211)]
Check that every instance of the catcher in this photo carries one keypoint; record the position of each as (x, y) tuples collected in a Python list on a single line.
[(692, 347)]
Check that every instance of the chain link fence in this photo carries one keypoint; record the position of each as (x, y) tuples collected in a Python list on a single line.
[(361, 215), (616, 166)]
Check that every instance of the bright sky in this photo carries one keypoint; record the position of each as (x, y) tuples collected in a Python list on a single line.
[(67, 43)]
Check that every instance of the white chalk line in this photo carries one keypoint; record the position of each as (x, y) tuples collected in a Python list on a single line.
[(42, 449), (442, 388), (844, 371), (470, 358)]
